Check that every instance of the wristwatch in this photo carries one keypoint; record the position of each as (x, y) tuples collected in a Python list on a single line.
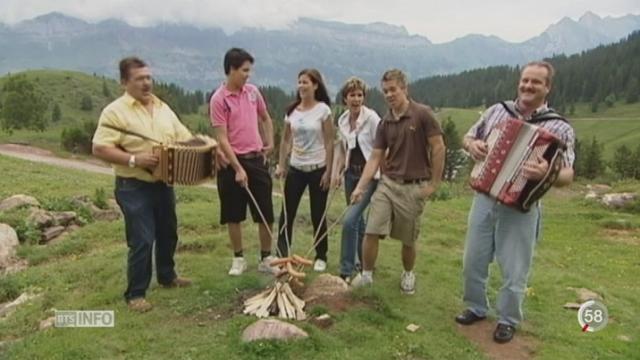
[(132, 161)]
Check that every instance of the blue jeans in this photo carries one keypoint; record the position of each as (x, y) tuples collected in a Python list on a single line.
[(149, 211), (509, 236), (353, 225)]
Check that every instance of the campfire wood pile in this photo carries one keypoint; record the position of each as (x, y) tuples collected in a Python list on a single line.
[(279, 299)]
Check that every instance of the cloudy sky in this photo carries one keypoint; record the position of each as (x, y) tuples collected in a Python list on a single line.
[(440, 21)]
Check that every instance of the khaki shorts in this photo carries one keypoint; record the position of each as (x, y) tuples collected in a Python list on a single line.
[(396, 210)]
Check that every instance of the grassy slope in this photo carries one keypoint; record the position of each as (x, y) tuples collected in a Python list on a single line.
[(86, 271), (66, 88)]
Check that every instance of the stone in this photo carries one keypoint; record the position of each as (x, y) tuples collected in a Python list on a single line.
[(17, 201), (104, 215), (7, 308), (571, 306), (412, 328), (113, 204), (271, 329), (8, 244), (586, 295), (40, 218), (81, 201), (47, 323), (624, 338), (14, 266), (618, 200), (323, 321), (51, 233), (591, 195), (64, 218), (68, 230), (325, 285), (599, 188)]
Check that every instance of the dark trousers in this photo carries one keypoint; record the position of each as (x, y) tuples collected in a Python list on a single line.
[(294, 186), (149, 216)]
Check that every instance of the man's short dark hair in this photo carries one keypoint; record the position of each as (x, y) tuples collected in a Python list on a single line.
[(234, 58), (128, 63)]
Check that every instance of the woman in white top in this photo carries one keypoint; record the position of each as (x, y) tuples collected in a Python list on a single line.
[(308, 136), (357, 130)]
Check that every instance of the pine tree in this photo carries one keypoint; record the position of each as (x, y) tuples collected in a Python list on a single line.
[(635, 161), (454, 157), (633, 91), (623, 162), (56, 113), (86, 103), (593, 164), (105, 89)]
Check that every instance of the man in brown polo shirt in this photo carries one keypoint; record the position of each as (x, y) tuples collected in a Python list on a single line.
[(410, 148)]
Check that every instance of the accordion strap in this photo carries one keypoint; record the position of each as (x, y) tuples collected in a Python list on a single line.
[(132, 133), (549, 114)]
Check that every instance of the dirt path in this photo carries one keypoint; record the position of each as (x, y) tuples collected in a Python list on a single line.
[(44, 156), (31, 153)]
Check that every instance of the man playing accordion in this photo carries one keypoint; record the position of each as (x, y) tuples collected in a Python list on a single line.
[(123, 138), (507, 233)]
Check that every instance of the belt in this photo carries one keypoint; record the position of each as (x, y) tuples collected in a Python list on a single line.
[(408, 181), (250, 155), (356, 168), (308, 168)]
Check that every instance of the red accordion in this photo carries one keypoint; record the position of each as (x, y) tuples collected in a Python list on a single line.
[(511, 144)]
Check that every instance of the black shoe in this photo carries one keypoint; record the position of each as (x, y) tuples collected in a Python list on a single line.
[(504, 333), (468, 317)]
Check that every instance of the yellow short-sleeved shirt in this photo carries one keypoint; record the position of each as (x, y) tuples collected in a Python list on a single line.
[(129, 114)]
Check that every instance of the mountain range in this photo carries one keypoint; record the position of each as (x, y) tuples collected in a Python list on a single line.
[(192, 56)]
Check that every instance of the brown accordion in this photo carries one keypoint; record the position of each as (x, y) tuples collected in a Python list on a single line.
[(186, 163), (511, 144)]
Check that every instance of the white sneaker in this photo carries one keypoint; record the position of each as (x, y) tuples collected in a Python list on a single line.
[(265, 265), (238, 266), (319, 265), (361, 280), (408, 282)]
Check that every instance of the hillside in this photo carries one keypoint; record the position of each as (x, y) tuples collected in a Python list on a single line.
[(65, 88)]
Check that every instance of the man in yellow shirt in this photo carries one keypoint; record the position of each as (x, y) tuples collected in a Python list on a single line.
[(148, 205)]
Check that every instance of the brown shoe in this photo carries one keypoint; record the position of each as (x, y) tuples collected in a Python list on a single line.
[(140, 305), (178, 282)]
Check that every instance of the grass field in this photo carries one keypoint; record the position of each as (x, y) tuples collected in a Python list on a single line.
[(86, 271)]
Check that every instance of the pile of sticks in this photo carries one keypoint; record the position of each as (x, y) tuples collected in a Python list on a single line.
[(280, 300)]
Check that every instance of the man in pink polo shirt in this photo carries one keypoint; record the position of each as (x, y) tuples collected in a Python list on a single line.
[(238, 112)]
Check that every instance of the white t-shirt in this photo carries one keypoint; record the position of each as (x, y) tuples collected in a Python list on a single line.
[(308, 137)]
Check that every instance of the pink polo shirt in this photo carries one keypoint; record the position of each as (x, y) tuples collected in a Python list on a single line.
[(238, 112)]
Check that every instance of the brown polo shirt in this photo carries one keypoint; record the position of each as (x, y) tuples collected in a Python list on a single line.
[(408, 155)]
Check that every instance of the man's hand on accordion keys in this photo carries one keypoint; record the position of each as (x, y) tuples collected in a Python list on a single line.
[(478, 149), (146, 160), (536, 170)]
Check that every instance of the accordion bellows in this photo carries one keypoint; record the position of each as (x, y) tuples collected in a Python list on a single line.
[(186, 163), (510, 145)]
